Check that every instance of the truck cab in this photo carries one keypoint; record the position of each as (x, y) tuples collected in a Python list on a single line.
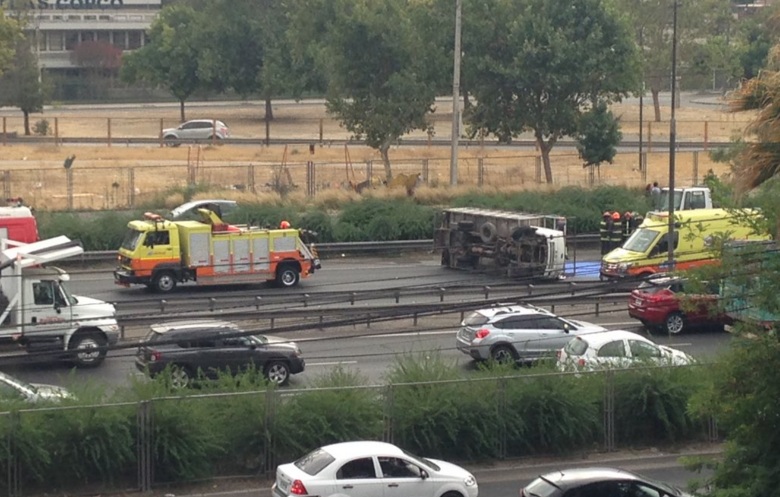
[(686, 199), (39, 315)]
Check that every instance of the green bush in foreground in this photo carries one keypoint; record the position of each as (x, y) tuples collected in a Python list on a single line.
[(236, 426)]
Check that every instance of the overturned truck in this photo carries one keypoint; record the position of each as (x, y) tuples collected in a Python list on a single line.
[(516, 244)]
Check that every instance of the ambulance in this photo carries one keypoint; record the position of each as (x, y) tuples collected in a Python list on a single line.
[(161, 253), (646, 251), (17, 222)]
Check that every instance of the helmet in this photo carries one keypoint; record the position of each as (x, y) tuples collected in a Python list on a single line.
[(606, 214), (616, 216), (284, 225)]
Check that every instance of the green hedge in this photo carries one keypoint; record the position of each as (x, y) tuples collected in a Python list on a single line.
[(427, 407), (368, 219)]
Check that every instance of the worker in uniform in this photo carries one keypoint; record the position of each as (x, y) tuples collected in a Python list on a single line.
[(636, 220), (606, 221), (616, 232), (627, 225)]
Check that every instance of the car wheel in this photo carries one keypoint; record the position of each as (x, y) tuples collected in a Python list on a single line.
[(172, 141), (287, 276), (503, 354), (674, 323), (277, 372), (164, 282), (181, 377), (89, 350)]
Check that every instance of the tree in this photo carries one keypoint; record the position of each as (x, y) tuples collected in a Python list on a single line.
[(21, 86), (534, 65), (171, 58), (598, 135), (375, 68), (9, 33)]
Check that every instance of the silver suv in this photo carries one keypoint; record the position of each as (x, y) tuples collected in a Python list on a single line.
[(198, 129), (517, 333)]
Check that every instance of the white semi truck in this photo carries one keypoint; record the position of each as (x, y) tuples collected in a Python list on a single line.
[(517, 244), (40, 316)]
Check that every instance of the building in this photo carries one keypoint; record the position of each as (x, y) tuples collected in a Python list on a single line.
[(61, 26)]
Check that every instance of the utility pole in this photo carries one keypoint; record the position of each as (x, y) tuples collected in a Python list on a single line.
[(672, 138), (456, 97)]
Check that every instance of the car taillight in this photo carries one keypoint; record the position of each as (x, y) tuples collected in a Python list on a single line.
[(155, 356), (482, 333), (581, 362), (558, 354), (297, 488)]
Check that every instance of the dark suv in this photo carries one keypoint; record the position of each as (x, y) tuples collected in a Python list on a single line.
[(208, 347)]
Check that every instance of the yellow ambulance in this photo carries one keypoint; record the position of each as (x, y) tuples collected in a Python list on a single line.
[(646, 251)]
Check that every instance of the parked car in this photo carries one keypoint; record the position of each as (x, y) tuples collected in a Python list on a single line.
[(617, 349), (371, 469), (598, 482), (197, 129), (517, 333), (189, 210), (208, 347), (12, 388), (662, 303)]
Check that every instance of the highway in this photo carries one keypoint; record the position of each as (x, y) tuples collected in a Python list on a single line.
[(371, 350)]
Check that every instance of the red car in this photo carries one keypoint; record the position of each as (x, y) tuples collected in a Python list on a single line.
[(661, 304)]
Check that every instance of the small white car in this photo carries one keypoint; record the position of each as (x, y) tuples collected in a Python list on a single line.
[(371, 469), (617, 349), (198, 129)]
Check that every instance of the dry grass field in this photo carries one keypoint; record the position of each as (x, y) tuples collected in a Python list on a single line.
[(121, 175)]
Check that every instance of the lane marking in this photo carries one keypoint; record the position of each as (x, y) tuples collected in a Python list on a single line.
[(334, 363)]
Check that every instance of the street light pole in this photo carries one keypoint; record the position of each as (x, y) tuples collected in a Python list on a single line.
[(456, 97), (672, 138)]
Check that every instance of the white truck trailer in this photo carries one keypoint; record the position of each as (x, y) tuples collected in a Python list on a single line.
[(40, 316), (517, 244)]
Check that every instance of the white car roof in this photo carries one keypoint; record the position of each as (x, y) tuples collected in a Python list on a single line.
[(194, 203), (491, 312), (361, 448), (596, 340)]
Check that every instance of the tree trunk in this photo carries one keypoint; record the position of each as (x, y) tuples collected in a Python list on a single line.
[(383, 151), (656, 104), (181, 110), (269, 110), (545, 148), (26, 123)]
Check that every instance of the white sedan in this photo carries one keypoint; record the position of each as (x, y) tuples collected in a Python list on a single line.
[(371, 469), (617, 349)]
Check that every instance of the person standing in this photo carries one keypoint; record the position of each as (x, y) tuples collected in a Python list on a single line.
[(615, 232), (655, 196), (627, 225), (604, 226)]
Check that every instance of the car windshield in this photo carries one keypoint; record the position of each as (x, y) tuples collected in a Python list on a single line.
[(258, 339), (664, 203), (475, 319), (539, 488), (424, 461), (314, 462), (131, 239), (641, 240)]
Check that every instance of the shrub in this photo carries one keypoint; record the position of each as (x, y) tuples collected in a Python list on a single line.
[(42, 127)]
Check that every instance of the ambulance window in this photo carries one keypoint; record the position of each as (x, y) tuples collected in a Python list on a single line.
[(663, 245)]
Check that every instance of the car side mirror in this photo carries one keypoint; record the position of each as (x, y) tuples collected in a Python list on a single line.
[(566, 327), (57, 308), (252, 346), (424, 474)]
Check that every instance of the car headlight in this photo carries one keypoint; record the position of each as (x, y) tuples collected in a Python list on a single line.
[(470, 481), (111, 327), (625, 266)]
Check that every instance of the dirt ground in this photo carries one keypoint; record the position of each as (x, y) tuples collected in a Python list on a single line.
[(121, 175)]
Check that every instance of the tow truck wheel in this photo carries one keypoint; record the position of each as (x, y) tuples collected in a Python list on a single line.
[(89, 350), (164, 282), (287, 276)]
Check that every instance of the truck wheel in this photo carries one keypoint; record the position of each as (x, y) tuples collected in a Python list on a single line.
[(488, 232), (503, 354), (277, 372), (164, 282), (287, 276), (674, 323), (89, 350)]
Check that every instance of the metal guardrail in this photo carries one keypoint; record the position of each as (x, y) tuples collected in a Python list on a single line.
[(583, 241)]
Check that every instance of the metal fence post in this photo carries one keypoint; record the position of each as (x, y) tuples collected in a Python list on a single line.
[(131, 187), (425, 172), (695, 167), (501, 407), (609, 411), (538, 164), (69, 182), (108, 127), (14, 467), (144, 446), (480, 171), (387, 418), (270, 416), (250, 179), (6, 184), (56, 131)]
